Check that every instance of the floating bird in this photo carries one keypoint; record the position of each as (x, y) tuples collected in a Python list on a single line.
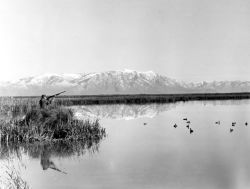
[(233, 124), (191, 131), (187, 126), (246, 123), (231, 130), (188, 121), (217, 122), (185, 119), (144, 123), (103, 131), (175, 125)]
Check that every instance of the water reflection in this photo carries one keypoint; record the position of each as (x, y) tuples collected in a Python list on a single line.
[(121, 111), (150, 153), (46, 161), (221, 102), (134, 111), (46, 151)]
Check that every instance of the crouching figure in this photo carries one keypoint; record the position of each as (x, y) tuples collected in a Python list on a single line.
[(45, 101)]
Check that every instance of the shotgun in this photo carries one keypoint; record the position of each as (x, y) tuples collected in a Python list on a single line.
[(52, 96)]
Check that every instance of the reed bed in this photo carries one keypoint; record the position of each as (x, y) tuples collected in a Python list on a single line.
[(42, 133), (140, 98), (24, 104), (54, 123), (10, 177), (58, 123), (145, 98), (13, 107)]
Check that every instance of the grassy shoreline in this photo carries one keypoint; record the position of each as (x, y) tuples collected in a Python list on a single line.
[(147, 98), (21, 105), (51, 124), (137, 98), (59, 123)]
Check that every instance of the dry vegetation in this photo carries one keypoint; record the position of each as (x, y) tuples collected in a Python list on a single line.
[(10, 177), (22, 104), (57, 122), (53, 123)]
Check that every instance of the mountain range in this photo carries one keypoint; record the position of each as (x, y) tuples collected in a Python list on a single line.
[(114, 82)]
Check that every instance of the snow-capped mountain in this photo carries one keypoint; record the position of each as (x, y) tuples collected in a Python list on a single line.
[(113, 82)]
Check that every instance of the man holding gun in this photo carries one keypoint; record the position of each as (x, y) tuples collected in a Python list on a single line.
[(45, 101)]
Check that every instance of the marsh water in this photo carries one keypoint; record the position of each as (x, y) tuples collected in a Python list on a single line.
[(143, 149)]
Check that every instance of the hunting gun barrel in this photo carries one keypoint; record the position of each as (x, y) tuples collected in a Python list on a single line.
[(52, 96)]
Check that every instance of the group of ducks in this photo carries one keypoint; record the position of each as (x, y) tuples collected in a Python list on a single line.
[(187, 121), (188, 125), (217, 122), (191, 130), (233, 125)]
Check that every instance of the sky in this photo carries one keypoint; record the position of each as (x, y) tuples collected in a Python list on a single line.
[(190, 40)]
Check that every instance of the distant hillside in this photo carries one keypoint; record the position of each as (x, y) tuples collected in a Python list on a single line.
[(114, 82)]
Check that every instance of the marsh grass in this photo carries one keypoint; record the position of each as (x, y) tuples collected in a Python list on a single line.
[(17, 105), (58, 123), (10, 177), (21, 105), (145, 98), (41, 133), (51, 124)]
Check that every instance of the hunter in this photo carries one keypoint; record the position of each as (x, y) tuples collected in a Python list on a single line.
[(45, 101)]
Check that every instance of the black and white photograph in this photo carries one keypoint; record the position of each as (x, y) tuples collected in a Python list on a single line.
[(124, 94)]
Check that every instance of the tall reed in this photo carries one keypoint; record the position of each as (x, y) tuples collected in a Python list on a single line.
[(54, 123)]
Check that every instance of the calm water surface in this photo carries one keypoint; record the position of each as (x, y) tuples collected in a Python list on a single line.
[(144, 150)]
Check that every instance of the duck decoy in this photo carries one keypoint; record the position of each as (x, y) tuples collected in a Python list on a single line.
[(185, 119), (187, 126), (175, 125), (144, 123), (246, 123), (188, 121), (233, 124), (191, 131), (217, 122), (231, 130)]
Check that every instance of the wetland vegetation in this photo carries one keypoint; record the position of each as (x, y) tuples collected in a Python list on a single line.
[(47, 135), (28, 123), (131, 98), (54, 123), (41, 133)]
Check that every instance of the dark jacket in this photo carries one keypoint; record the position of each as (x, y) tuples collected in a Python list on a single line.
[(43, 103)]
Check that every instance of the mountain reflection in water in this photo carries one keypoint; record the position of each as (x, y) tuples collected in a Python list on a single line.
[(134, 111), (121, 111)]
